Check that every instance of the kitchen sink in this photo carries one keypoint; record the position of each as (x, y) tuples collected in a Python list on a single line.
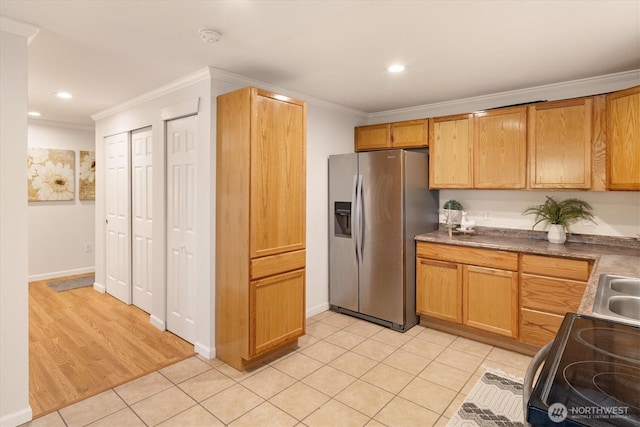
[(618, 298), (625, 306), (626, 286)]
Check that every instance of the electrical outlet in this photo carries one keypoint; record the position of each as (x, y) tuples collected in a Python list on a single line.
[(88, 248)]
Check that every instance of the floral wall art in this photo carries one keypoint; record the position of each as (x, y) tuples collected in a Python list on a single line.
[(50, 174), (87, 190)]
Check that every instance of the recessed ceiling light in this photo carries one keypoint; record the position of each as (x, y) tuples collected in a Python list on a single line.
[(64, 95), (396, 68), (34, 114)]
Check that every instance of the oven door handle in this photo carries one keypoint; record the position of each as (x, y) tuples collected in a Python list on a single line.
[(527, 387)]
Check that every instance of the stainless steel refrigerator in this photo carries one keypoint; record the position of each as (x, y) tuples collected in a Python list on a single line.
[(379, 201)]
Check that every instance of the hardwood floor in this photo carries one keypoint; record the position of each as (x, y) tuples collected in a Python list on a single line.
[(82, 342)]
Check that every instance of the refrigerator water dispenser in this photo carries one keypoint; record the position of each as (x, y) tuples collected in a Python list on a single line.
[(342, 213)]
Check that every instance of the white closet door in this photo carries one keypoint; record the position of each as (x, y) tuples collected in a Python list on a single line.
[(181, 221), (118, 262), (142, 217)]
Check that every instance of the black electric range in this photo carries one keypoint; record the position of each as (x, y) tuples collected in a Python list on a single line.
[(591, 376)]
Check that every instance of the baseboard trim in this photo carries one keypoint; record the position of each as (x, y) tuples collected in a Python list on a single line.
[(17, 418), (204, 351), (63, 273), (157, 322), (317, 309), (98, 287)]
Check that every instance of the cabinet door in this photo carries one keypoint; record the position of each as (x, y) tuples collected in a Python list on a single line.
[(409, 134), (491, 300), (450, 152), (276, 311), (623, 139), (499, 147), (439, 289), (539, 327), (373, 137), (278, 181), (559, 135)]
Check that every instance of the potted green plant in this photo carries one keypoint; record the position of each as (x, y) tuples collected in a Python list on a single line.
[(558, 216), (452, 210)]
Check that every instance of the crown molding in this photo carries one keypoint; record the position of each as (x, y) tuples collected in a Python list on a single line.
[(556, 91), (229, 77), (65, 125), (23, 29), (216, 74), (188, 80), (562, 90)]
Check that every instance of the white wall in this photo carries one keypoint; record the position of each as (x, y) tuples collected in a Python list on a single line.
[(59, 231), (617, 213), (329, 131), (14, 314)]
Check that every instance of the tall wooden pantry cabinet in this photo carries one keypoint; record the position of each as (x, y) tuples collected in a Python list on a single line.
[(260, 225)]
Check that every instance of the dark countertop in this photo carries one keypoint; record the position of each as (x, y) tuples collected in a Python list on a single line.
[(609, 258)]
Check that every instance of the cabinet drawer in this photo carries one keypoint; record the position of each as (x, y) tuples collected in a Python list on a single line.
[(538, 328), (274, 264), (474, 256), (566, 268), (548, 294)]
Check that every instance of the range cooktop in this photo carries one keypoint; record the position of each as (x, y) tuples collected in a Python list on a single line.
[(591, 376)]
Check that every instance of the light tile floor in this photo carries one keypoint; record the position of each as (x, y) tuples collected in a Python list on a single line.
[(346, 372)]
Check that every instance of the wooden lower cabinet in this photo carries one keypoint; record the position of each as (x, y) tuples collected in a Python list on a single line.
[(538, 327), (483, 297), (276, 307), (516, 300), (439, 293), (549, 288), (490, 300)]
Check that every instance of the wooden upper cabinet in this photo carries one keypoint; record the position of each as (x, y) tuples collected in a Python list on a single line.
[(409, 134), (406, 134), (450, 151), (278, 184), (499, 148), (623, 139), (373, 137), (559, 135)]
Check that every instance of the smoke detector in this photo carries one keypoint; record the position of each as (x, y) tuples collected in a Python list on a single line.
[(209, 36)]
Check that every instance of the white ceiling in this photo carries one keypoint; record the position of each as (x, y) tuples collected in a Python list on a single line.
[(107, 52)]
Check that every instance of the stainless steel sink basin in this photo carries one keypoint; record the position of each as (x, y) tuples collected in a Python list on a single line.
[(626, 286), (625, 306), (618, 298)]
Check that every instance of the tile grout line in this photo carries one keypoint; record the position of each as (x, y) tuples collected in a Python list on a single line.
[(274, 364)]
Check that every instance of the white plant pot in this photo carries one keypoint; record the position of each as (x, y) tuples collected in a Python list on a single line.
[(556, 234)]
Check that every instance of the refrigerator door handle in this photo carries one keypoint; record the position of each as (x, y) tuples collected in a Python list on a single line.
[(354, 216), (360, 220)]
